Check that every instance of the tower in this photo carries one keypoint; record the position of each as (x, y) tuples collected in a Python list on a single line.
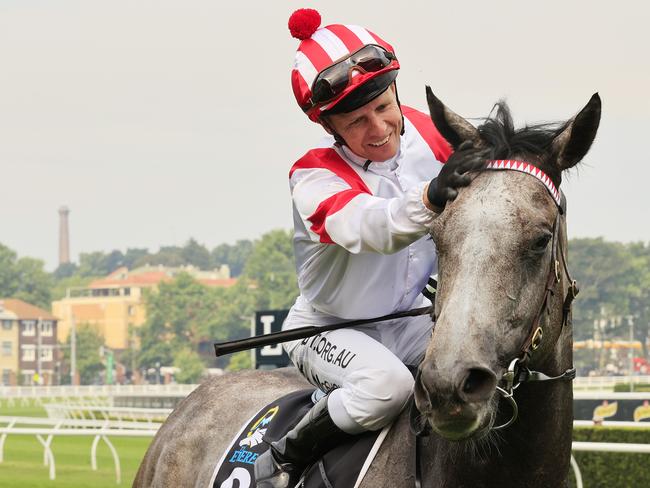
[(64, 238)]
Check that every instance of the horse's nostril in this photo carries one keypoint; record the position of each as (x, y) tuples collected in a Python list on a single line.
[(479, 384)]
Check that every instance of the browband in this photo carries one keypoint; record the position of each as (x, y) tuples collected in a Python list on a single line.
[(530, 169)]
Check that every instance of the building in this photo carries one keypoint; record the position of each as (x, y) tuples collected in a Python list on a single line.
[(8, 346), (28, 336), (115, 304)]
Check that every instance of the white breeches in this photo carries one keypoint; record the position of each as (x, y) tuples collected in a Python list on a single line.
[(363, 367)]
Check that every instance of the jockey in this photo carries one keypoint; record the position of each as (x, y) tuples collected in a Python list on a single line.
[(363, 202)]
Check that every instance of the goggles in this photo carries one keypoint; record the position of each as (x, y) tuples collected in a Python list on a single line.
[(332, 81)]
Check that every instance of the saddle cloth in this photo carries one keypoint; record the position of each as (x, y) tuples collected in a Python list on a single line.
[(342, 467)]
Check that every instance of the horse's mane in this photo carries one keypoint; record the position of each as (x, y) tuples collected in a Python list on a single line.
[(532, 141)]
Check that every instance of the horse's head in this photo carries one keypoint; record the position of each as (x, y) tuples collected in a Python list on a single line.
[(497, 244)]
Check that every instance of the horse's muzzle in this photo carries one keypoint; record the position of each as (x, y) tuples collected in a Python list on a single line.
[(456, 403)]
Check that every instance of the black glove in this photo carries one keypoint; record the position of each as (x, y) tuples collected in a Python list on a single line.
[(453, 174)]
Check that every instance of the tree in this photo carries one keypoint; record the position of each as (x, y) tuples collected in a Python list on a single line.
[(166, 256), (94, 264), (190, 365), (271, 267), (603, 271), (197, 255), (640, 296), (133, 255), (614, 281), (24, 278), (234, 256), (88, 343), (60, 287), (180, 314), (65, 270), (240, 360)]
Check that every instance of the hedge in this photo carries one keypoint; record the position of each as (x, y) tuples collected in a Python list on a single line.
[(625, 387), (610, 469)]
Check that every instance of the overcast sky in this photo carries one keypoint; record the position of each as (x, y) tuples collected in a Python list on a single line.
[(156, 121)]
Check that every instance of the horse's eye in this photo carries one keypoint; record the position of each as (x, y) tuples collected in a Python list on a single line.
[(539, 245)]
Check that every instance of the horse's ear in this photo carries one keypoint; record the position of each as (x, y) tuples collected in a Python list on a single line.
[(451, 126), (571, 145)]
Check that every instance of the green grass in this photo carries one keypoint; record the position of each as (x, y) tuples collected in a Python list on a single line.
[(23, 462), (23, 457)]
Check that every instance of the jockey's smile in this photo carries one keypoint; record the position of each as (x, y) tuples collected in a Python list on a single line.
[(373, 130)]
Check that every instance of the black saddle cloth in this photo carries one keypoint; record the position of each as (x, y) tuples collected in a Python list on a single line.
[(339, 468)]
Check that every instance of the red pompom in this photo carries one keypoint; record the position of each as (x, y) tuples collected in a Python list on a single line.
[(303, 23)]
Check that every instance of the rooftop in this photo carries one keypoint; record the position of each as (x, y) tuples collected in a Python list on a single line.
[(152, 275), (24, 310)]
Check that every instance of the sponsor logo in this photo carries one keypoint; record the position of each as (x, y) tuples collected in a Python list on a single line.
[(254, 438), (642, 412), (264, 420), (329, 352), (605, 410), (243, 456)]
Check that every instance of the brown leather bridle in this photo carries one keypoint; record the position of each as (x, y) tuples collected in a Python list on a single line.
[(518, 371)]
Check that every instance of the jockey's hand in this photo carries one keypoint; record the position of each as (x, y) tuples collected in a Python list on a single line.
[(453, 175)]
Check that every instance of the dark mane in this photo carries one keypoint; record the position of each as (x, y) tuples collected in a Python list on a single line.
[(532, 142)]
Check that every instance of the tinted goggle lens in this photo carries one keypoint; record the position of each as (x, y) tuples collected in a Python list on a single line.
[(333, 80)]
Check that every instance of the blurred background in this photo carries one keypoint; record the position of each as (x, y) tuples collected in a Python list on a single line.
[(144, 157)]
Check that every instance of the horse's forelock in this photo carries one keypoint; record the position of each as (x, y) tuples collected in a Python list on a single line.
[(532, 142)]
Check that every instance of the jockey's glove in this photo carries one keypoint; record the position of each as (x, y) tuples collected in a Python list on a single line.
[(454, 174)]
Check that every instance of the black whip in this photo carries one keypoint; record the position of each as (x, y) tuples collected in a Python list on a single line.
[(222, 348)]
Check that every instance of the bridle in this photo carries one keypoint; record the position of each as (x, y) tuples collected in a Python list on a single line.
[(518, 371)]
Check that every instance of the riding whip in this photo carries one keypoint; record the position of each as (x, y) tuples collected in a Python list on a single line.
[(222, 348)]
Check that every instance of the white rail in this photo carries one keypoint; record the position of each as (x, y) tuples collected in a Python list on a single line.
[(607, 382), (610, 395), (95, 412), (66, 423), (611, 447), (612, 423), (66, 391)]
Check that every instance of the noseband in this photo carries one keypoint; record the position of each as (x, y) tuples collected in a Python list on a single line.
[(518, 371)]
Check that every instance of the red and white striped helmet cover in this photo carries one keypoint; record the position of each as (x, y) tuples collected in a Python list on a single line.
[(326, 46)]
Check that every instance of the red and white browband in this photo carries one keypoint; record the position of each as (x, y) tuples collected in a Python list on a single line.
[(530, 169)]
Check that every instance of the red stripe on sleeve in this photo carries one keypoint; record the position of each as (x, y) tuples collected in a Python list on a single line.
[(349, 38), (425, 127), (316, 54), (329, 207), (327, 158)]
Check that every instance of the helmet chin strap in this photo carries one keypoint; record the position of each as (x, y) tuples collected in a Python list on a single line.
[(341, 142), (400, 108), (325, 123)]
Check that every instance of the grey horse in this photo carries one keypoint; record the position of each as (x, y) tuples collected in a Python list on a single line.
[(502, 276)]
